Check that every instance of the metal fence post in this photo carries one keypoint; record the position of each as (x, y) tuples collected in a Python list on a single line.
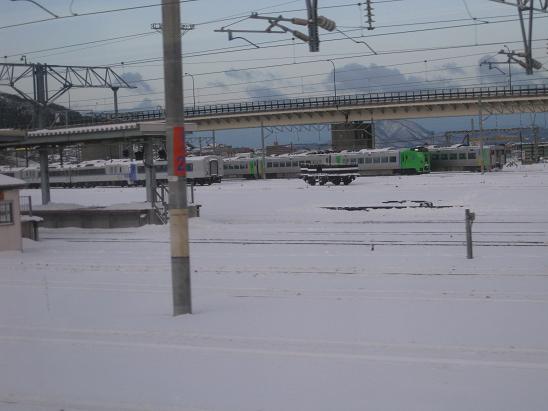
[(468, 220)]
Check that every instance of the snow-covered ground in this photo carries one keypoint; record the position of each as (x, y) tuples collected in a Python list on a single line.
[(296, 307)]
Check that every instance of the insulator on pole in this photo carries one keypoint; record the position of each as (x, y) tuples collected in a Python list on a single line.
[(301, 36), (300, 22), (326, 24)]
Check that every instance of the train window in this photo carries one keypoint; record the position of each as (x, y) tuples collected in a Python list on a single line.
[(269, 164), (393, 159), (435, 156), (384, 159), (360, 161), (376, 160), (462, 156), (453, 156), (6, 212), (471, 156), (225, 166), (443, 156), (295, 164), (276, 164), (368, 160)]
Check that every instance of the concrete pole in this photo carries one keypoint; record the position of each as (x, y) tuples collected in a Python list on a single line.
[(150, 172), (40, 94), (263, 152), (482, 164), (115, 91), (44, 175), (176, 149)]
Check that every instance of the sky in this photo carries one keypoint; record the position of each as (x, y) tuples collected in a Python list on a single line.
[(417, 44)]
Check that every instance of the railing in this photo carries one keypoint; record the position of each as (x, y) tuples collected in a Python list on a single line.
[(25, 205), (399, 97), (162, 193)]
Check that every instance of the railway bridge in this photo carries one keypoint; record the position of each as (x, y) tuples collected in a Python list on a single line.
[(375, 106)]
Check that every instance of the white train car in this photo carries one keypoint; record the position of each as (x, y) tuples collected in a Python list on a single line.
[(199, 170), (122, 172), (370, 162), (466, 158)]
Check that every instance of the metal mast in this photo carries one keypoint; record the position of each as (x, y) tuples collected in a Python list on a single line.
[(527, 8)]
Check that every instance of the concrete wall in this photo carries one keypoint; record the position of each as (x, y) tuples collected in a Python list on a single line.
[(10, 234)]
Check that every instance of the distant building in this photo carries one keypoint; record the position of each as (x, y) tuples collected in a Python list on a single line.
[(10, 216), (278, 149), (355, 135)]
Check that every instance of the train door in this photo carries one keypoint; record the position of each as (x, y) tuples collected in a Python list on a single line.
[(213, 168)]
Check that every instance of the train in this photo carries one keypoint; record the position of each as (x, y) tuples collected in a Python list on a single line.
[(386, 161), (369, 162), (212, 169), (123, 172)]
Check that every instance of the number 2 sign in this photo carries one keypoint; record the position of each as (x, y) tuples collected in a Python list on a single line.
[(179, 152)]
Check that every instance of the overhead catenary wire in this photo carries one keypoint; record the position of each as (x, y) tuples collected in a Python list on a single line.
[(91, 13)]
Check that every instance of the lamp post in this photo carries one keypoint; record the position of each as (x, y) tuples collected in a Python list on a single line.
[(193, 91), (334, 77)]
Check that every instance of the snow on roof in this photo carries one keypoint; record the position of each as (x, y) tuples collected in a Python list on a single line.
[(84, 130), (11, 182)]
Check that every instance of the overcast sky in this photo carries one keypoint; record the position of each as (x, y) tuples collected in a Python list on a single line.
[(456, 34)]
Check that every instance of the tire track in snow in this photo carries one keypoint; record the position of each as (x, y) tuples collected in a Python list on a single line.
[(308, 351), (300, 293)]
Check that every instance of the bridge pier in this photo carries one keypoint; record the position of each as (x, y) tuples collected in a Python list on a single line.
[(44, 175)]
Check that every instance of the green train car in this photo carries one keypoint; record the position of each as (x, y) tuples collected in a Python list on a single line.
[(414, 161)]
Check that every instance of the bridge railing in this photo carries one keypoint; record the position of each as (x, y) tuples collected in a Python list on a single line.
[(392, 97)]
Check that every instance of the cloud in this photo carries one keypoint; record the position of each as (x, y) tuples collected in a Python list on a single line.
[(264, 93), (256, 89), (357, 78), (249, 75), (135, 79), (146, 104), (453, 68)]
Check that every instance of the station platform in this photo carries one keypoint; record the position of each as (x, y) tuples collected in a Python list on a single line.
[(115, 216)]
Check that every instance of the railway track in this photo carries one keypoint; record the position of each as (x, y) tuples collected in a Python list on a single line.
[(330, 242)]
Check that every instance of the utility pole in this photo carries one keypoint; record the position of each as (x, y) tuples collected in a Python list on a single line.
[(482, 165), (263, 152), (176, 149)]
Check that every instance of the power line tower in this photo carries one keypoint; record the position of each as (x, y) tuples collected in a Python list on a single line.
[(527, 8), (63, 77)]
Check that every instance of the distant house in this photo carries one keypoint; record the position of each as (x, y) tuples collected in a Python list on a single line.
[(10, 217)]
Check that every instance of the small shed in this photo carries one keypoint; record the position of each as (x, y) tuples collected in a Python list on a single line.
[(10, 215)]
